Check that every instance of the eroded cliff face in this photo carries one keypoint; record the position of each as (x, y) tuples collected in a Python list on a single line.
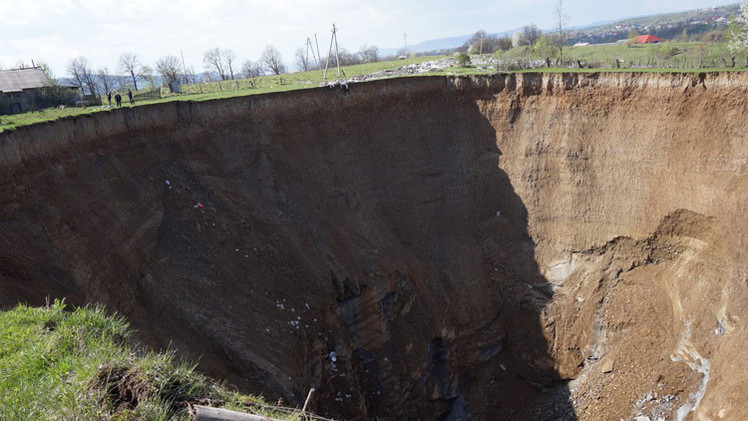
[(522, 246)]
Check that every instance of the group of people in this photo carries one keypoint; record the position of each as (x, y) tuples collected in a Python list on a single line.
[(118, 98)]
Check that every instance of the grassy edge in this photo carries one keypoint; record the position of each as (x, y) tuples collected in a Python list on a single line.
[(48, 115), (61, 363)]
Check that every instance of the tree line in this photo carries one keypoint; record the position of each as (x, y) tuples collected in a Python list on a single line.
[(219, 65), (548, 43)]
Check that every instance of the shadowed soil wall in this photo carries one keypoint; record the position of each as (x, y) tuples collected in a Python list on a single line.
[(520, 246)]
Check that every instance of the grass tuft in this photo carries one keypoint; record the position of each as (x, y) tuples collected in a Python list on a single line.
[(81, 364)]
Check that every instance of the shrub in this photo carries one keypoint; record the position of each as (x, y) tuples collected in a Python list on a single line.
[(463, 59)]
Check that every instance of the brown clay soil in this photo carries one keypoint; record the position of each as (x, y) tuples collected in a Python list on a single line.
[(558, 246)]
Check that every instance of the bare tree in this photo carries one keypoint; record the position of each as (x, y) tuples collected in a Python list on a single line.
[(82, 74), (271, 60), (347, 58), (251, 70), (147, 74), (504, 43), (482, 42), (121, 81), (213, 60), (129, 64), (168, 67), (301, 59), (229, 57), (106, 81), (531, 33), (190, 76), (369, 53), (561, 18), (207, 77)]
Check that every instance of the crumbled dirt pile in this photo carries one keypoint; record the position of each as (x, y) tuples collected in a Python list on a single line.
[(511, 246), (621, 326)]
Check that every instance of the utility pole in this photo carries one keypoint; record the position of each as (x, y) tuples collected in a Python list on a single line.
[(329, 53), (333, 39), (337, 55), (309, 46), (184, 67), (319, 65), (405, 43), (306, 56)]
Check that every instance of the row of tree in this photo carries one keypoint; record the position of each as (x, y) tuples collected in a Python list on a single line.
[(219, 64), (484, 43)]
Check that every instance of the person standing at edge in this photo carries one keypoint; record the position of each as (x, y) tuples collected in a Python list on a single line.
[(118, 99), (129, 96), (109, 97)]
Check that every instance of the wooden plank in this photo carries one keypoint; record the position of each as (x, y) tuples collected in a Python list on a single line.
[(206, 413)]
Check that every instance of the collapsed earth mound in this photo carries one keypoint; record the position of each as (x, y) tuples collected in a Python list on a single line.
[(528, 246)]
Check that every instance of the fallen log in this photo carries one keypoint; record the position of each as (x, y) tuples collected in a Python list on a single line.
[(206, 413)]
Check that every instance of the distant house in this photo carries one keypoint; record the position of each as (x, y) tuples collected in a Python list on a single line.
[(645, 39), (22, 90), (581, 44)]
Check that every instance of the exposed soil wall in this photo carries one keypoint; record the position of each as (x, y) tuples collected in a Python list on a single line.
[(520, 246)]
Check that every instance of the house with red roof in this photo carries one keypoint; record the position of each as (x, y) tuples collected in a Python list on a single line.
[(646, 39)]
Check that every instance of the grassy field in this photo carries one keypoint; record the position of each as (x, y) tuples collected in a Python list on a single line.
[(680, 55), (668, 57), (301, 79), (62, 364)]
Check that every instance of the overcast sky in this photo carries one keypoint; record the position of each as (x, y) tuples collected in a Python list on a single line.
[(59, 30)]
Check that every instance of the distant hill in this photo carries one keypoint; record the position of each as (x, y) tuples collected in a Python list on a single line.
[(665, 25)]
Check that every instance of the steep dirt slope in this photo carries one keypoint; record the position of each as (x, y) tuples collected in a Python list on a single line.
[(422, 247), (662, 160)]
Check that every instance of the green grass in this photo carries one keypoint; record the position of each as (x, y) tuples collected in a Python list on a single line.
[(80, 364), (301, 79), (690, 56)]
